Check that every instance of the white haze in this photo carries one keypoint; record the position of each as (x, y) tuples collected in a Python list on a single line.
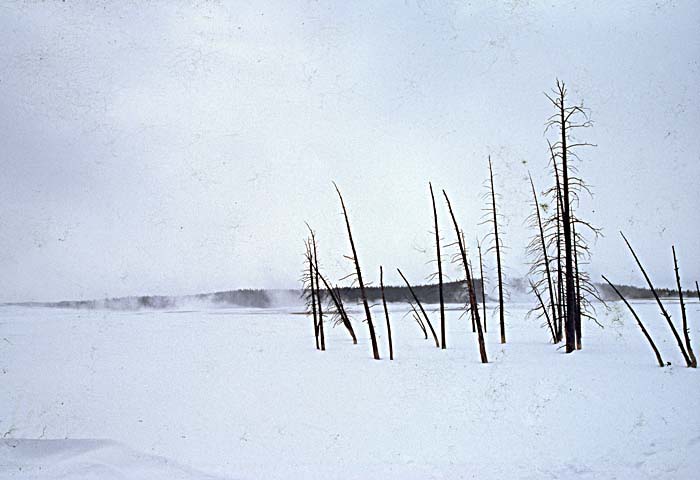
[(178, 147)]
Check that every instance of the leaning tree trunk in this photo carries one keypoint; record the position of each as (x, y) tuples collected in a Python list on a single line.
[(658, 301), (544, 310), (498, 258), (416, 315), (339, 307), (639, 322), (420, 305), (470, 285), (545, 259), (363, 293), (386, 313), (689, 348), (439, 264)]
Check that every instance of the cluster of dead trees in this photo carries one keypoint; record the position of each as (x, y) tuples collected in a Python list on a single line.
[(322, 297), (683, 343), (559, 251), (559, 248)]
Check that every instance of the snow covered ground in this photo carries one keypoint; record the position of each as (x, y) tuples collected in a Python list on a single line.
[(243, 393)]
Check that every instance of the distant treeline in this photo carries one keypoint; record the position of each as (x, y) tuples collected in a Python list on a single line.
[(637, 293), (454, 292)]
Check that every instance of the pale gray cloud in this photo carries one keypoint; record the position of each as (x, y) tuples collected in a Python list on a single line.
[(177, 147)]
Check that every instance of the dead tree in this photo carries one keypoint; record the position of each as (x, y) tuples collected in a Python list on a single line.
[(317, 284), (386, 312), (686, 334), (363, 294), (541, 264), (497, 246), (543, 307), (567, 119), (658, 301), (308, 282), (420, 305), (697, 289), (470, 285), (639, 322), (483, 284), (417, 318), (439, 265), (337, 302), (562, 121)]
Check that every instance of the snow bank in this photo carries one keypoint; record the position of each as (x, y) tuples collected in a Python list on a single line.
[(86, 460)]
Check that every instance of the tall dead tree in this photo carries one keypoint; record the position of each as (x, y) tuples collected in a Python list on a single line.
[(308, 286), (658, 301), (566, 120), (483, 284), (639, 322), (386, 313), (558, 236), (439, 265), (570, 322), (363, 293), (420, 306), (497, 247), (686, 334), (470, 285), (317, 284)]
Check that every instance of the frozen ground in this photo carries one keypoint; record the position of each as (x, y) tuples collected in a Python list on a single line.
[(233, 393)]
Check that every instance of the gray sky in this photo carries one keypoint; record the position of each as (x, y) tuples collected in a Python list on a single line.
[(178, 147)]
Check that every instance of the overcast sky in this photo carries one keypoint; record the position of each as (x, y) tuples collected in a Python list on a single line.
[(178, 147)]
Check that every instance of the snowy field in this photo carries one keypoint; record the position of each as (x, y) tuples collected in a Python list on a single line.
[(244, 394)]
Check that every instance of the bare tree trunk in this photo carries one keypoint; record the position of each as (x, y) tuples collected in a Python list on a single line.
[(472, 315), (570, 323), (577, 303), (501, 310), (318, 293), (416, 315), (545, 258), (439, 264), (310, 258), (697, 289), (339, 306), (658, 301), (339, 297), (470, 285), (483, 285), (544, 310), (363, 294), (639, 322), (420, 305), (386, 312), (561, 308), (689, 348)]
